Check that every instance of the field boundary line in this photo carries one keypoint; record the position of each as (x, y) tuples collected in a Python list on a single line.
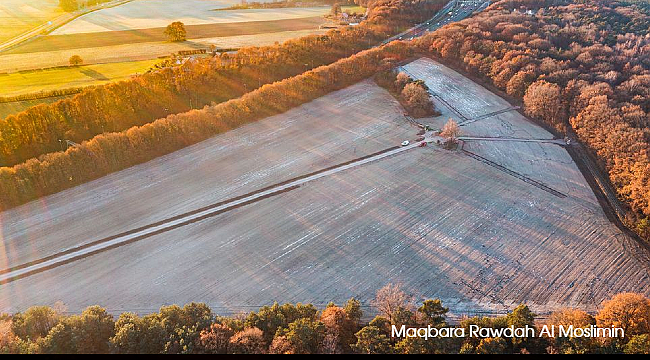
[(488, 115), (515, 174)]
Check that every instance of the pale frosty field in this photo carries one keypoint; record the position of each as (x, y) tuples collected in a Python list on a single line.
[(144, 14), (440, 223), (472, 100)]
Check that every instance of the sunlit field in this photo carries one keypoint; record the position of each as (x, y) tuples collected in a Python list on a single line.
[(350, 9), (61, 78), (141, 14), (19, 16), (100, 41), (15, 107), (11, 61), (131, 37), (325, 176)]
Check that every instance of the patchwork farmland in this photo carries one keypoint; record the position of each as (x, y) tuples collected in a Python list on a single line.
[(53, 79), (135, 31), (482, 236), (146, 14), (120, 41)]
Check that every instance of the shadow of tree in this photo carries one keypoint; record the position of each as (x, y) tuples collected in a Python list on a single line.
[(94, 74)]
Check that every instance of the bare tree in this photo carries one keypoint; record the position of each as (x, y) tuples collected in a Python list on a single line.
[(450, 131), (390, 299)]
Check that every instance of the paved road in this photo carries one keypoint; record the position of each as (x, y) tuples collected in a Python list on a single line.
[(56, 23), (455, 10)]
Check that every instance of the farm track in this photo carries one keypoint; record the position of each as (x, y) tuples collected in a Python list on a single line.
[(99, 246), (144, 232), (485, 138), (494, 113), (451, 107), (519, 176)]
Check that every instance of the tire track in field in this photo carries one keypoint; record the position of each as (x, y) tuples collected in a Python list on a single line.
[(147, 231), (515, 174)]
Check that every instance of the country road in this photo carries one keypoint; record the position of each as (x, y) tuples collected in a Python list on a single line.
[(56, 23), (455, 10)]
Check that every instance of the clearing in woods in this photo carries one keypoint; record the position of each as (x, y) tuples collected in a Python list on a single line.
[(442, 223)]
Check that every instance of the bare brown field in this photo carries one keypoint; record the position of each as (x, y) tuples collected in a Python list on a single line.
[(112, 38), (144, 14), (438, 222), (142, 51)]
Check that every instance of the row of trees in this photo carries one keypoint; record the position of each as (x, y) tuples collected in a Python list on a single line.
[(111, 152), (118, 106), (303, 329), (577, 74), (412, 94)]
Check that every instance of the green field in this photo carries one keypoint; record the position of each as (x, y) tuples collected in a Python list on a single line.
[(61, 78), (19, 16), (15, 107)]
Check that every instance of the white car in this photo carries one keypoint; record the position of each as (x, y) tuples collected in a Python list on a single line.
[(405, 143)]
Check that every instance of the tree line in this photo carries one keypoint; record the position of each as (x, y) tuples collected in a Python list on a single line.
[(118, 106), (305, 329), (582, 67), (114, 151)]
